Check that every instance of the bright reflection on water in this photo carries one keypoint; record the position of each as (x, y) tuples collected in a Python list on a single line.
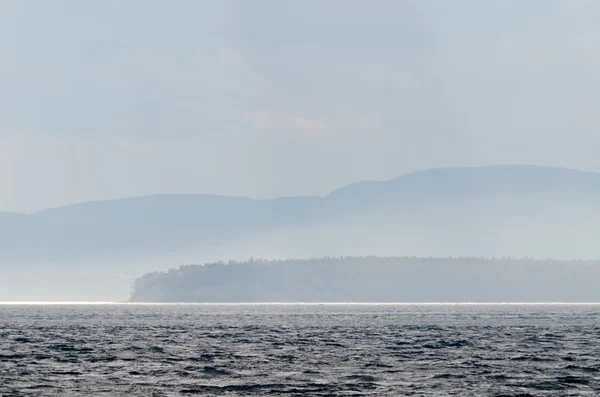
[(299, 349)]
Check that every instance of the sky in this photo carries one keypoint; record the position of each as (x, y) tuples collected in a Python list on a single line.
[(271, 98)]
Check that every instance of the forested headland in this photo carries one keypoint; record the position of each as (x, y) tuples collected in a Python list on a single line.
[(375, 279)]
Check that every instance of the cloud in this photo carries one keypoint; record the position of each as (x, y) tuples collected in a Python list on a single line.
[(138, 147), (270, 121), (355, 124), (115, 98), (588, 119)]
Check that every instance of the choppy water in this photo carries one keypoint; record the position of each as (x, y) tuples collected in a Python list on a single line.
[(314, 350)]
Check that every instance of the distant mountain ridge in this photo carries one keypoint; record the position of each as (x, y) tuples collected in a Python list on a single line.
[(406, 214), (433, 181), (468, 180)]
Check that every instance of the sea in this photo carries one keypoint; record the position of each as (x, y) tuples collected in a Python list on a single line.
[(299, 349)]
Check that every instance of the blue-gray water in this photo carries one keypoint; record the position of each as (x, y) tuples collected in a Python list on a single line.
[(303, 350)]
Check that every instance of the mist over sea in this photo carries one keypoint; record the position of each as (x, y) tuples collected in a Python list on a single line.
[(299, 198), (299, 349)]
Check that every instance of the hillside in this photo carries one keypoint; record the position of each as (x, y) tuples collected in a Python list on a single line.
[(375, 279), (501, 201), (490, 211)]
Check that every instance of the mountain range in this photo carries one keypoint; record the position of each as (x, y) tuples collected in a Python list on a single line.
[(490, 211)]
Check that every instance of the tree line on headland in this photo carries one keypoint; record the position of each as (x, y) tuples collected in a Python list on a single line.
[(375, 279)]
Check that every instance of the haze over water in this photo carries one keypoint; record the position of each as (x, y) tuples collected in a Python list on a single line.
[(209, 198)]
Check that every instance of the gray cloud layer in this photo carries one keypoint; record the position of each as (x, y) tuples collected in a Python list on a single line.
[(269, 98)]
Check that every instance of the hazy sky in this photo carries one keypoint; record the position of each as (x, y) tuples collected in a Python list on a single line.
[(113, 98)]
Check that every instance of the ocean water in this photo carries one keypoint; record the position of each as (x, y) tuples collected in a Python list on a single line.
[(299, 350)]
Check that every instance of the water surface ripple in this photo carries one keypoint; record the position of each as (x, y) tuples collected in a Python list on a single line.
[(300, 350)]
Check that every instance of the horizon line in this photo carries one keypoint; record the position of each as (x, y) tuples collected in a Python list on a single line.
[(99, 303)]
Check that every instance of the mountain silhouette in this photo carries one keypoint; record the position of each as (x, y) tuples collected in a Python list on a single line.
[(466, 205), (84, 251)]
